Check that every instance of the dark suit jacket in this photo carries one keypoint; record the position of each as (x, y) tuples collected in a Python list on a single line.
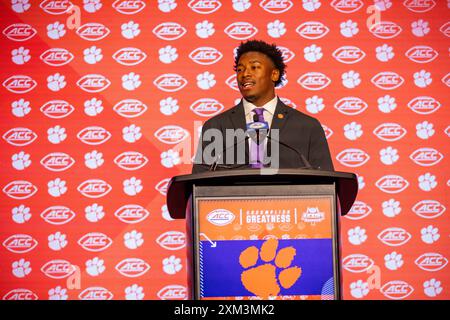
[(296, 129)]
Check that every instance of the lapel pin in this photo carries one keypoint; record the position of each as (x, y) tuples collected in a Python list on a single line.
[(280, 116)]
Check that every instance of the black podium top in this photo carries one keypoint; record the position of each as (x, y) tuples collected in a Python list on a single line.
[(180, 187)]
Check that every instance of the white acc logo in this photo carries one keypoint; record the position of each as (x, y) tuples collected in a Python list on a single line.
[(394, 237), (205, 7), (392, 184), (241, 30), (220, 217), (169, 31)]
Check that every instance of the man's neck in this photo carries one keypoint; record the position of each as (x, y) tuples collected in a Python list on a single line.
[(261, 102)]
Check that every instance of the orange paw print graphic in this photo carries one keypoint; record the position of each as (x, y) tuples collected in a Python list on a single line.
[(262, 280)]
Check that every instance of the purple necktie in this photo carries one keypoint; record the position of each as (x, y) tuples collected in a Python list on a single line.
[(257, 151)]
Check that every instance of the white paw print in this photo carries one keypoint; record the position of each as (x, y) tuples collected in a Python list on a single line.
[(383, 5), (313, 53), (357, 236), (134, 292), (20, 108), (432, 288), (168, 106), (165, 213), (424, 130), (420, 28), (56, 30), (130, 30), (391, 208), (351, 79), (168, 54), (427, 182), (57, 134), (359, 289), (389, 156), (204, 29), (393, 261), (241, 5), (133, 239), (132, 133), (21, 160), (20, 56), (57, 293), (361, 183), (92, 55), (430, 234), (386, 104), (422, 79), (131, 81), (276, 28), (172, 265), (21, 214), (94, 159), (94, 213), (314, 104), (56, 82), (385, 53), (57, 187), (205, 80), (132, 186), (311, 5), (21, 268), (57, 241), (170, 158), (349, 28), (92, 6), (93, 107), (353, 130), (167, 5), (95, 267), (20, 6)]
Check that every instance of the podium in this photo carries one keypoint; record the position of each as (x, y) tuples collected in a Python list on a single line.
[(253, 234)]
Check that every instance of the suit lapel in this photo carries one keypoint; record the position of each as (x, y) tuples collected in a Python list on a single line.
[(280, 116), (237, 117)]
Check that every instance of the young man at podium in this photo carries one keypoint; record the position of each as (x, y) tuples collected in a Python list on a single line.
[(261, 131)]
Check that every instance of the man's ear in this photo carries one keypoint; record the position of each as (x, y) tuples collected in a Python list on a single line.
[(275, 75)]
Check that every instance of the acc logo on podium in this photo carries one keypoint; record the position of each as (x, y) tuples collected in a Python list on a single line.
[(220, 217)]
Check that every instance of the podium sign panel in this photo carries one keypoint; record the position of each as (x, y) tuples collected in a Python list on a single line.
[(265, 242)]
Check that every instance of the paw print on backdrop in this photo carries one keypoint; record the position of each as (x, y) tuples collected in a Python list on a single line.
[(130, 30), (131, 133), (56, 82), (94, 213), (93, 107), (261, 278), (389, 156), (357, 236), (168, 54), (386, 104), (95, 267), (204, 29), (311, 5), (93, 160), (384, 53), (383, 5), (131, 81), (20, 6), (21, 214), (20, 55), (205, 80), (167, 6), (56, 134), (132, 186), (165, 213), (20, 108), (172, 265), (427, 182), (313, 53), (391, 208), (422, 79), (21, 268), (393, 261), (57, 293), (21, 160), (133, 240), (430, 234), (92, 55), (351, 79), (353, 131), (170, 158), (134, 292), (432, 288), (314, 104), (349, 28), (241, 5), (420, 28), (56, 30), (359, 289), (276, 29), (361, 183), (57, 241), (168, 106), (92, 6), (57, 187), (424, 130)]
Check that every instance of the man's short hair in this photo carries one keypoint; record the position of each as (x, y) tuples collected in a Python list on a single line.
[(270, 50)]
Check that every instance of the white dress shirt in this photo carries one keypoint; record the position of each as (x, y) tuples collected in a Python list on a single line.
[(269, 110)]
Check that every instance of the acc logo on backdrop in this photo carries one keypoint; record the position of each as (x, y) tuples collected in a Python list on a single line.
[(419, 6), (394, 237), (204, 7), (358, 211), (392, 183), (93, 31), (349, 54), (130, 108), (232, 82), (287, 54), (95, 293), (129, 56), (57, 109), (58, 269), (385, 29), (170, 82), (346, 6), (132, 267), (241, 30), (172, 240), (220, 217), (206, 107), (387, 80), (94, 188), (56, 7), (445, 29), (19, 84), (57, 161), (169, 31), (57, 215), (276, 6), (20, 243), (351, 106), (93, 83), (312, 30), (20, 294), (162, 186), (20, 136), (431, 261), (205, 55), (20, 189), (56, 57), (389, 131), (429, 209), (173, 292), (353, 157), (19, 32), (327, 130), (131, 213), (396, 290), (171, 134), (314, 81), (128, 7), (426, 157), (94, 135), (424, 105), (131, 160), (95, 242), (421, 54), (357, 263)]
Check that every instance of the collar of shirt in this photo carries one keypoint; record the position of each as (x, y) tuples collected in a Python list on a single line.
[(268, 112)]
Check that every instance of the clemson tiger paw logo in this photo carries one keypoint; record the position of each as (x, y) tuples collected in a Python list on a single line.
[(262, 279)]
